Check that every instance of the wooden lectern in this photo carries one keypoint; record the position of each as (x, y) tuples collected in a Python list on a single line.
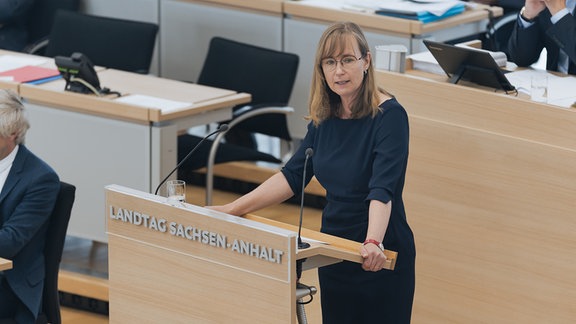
[(188, 264)]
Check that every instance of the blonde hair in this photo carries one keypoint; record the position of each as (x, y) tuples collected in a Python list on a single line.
[(324, 103), (12, 118)]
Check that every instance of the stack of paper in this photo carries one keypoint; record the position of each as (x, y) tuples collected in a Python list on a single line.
[(425, 61), (424, 11), (499, 57)]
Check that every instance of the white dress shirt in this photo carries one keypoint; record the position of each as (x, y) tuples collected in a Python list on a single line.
[(6, 165), (563, 60)]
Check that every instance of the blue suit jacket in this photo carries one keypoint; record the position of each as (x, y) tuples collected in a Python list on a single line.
[(14, 19), (526, 43), (26, 203)]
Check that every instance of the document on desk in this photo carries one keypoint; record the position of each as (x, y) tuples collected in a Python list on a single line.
[(11, 62), (31, 74), (166, 105), (560, 88), (422, 10)]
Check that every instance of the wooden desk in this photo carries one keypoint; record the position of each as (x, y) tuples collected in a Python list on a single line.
[(489, 194), (8, 56), (468, 23), (5, 264), (94, 141), (306, 21)]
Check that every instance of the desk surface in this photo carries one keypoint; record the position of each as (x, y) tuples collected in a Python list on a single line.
[(314, 11), (5, 58), (264, 5), (5, 264), (201, 98)]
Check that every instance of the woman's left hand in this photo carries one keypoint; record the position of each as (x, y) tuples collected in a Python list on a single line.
[(374, 258)]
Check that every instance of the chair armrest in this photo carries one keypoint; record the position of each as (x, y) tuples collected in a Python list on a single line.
[(247, 112), (37, 48)]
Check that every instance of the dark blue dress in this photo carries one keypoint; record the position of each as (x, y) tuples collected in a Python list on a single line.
[(356, 161)]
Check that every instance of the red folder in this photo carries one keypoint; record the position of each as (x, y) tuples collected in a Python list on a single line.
[(31, 73)]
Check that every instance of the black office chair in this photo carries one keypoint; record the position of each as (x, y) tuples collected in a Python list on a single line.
[(40, 22), (55, 237), (498, 33), (268, 75), (113, 43)]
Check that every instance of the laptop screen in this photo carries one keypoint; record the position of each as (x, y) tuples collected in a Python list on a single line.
[(469, 64)]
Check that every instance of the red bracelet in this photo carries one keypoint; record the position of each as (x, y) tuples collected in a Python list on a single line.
[(378, 244)]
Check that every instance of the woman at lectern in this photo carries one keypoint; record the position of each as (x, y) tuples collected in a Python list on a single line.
[(358, 135)]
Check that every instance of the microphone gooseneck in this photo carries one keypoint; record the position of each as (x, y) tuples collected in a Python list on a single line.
[(222, 128), (303, 245)]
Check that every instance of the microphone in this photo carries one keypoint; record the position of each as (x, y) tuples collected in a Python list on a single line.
[(303, 245), (222, 128)]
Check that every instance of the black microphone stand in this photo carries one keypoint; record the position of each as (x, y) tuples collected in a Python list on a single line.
[(302, 289), (302, 245), (222, 128)]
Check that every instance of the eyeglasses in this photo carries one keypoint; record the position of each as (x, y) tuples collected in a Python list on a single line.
[(329, 64)]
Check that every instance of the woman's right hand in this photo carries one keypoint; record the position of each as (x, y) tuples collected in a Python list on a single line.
[(223, 208)]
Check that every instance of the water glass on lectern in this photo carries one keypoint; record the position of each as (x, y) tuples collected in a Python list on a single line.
[(176, 191)]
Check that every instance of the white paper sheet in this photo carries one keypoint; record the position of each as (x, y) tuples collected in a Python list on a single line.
[(165, 105), (11, 62), (560, 88)]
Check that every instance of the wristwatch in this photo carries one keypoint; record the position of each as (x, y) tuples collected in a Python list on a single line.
[(378, 244), (524, 17)]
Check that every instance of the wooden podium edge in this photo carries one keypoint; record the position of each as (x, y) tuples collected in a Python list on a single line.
[(332, 246)]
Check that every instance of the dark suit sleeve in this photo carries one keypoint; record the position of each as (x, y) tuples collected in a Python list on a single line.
[(563, 33), (10, 9), (34, 206), (526, 44)]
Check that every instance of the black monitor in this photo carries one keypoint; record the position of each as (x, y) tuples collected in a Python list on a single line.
[(469, 64)]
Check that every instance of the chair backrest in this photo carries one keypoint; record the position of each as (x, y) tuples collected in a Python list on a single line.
[(110, 42), (498, 34), (42, 16), (55, 237), (268, 75)]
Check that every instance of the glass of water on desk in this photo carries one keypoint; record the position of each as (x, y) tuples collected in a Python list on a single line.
[(176, 191), (539, 87)]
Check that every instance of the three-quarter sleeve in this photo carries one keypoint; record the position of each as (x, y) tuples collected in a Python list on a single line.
[(293, 169), (390, 154)]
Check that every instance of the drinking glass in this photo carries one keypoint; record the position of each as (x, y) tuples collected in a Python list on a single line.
[(539, 88), (176, 190)]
